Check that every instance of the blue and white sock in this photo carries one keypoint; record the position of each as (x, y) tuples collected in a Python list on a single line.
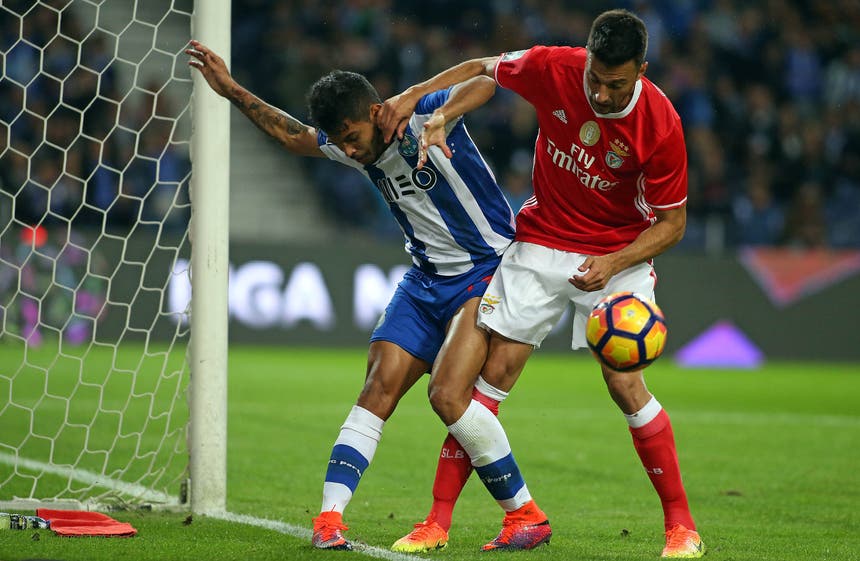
[(352, 453), (484, 440)]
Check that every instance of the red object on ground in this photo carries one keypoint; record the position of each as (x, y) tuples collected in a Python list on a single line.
[(83, 523)]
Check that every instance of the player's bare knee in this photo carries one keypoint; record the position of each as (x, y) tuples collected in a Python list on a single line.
[(441, 398), (627, 389), (448, 402), (496, 377), (505, 362), (616, 384)]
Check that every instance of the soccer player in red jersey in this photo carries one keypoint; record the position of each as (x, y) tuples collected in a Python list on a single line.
[(610, 187)]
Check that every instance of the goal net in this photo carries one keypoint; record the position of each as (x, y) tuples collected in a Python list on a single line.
[(95, 128)]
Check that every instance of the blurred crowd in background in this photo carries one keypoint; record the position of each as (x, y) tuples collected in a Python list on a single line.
[(82, 142), (768, 91)]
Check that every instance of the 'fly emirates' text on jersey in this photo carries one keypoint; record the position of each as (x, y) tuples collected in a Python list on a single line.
[(452, 212), (597, 178)]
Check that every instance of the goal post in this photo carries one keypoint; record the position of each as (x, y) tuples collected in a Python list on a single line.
[(114, 173), (210, 155)]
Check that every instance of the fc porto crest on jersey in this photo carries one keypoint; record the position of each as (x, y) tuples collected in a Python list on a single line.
[(615, 156), (408, 146)]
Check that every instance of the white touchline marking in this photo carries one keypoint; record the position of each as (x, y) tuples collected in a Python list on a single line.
[(145, 494), (305, 533)]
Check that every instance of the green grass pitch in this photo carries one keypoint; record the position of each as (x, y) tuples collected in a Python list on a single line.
[(770, 457)]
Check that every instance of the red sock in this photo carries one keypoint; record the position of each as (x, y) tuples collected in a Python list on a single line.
[(453, 471), (655, 444), (486, 401)]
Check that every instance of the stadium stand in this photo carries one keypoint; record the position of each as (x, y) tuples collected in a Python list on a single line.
[(769, 93)]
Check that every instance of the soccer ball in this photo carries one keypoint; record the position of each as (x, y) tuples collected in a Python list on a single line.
[(626, 331)]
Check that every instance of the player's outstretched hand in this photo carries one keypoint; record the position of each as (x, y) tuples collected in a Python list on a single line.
[(433, 135), (394, 115), (211, 66)]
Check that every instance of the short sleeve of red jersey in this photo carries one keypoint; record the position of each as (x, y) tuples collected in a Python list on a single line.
[(521, 71), (666, 171)]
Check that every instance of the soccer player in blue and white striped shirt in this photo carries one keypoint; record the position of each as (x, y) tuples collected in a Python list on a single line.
[(456, 223)]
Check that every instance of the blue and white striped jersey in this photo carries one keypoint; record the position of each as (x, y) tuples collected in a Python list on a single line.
[(452, 212)]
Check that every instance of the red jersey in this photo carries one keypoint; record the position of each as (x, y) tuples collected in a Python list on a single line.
[(596, 177)]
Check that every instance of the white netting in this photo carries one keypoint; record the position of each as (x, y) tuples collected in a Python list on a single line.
[(94, 171)]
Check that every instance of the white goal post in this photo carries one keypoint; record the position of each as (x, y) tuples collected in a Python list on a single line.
[(210, 188), (114, 171)]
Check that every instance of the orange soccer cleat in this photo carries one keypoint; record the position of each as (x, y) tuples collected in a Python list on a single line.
[(682, 543), (427, 536), (328, 531), (525, 528)]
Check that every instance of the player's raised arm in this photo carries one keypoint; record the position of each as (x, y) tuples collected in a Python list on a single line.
[(397, 109), (291, 133), (464, 97)]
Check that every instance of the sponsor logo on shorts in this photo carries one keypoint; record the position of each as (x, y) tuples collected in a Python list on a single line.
[(488, 304)]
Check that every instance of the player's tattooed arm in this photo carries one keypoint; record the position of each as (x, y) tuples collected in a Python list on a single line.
[(291, 133)]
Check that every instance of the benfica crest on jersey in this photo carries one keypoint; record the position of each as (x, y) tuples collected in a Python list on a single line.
[(613, 160), (615, 157)]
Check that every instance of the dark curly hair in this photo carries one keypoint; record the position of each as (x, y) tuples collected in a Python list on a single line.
[(338, 96), (617, 36)]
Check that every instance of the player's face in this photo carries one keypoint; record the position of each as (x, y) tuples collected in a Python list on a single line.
[(360, 140), (611, 87)]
